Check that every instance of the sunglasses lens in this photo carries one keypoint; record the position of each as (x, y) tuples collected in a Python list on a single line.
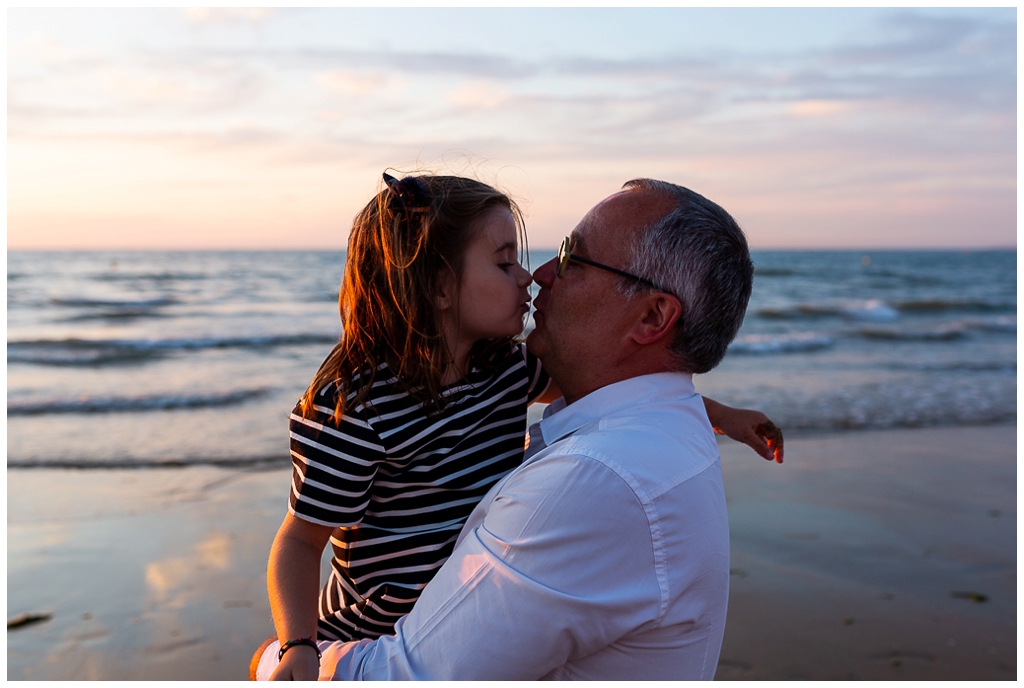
[(563, 256)]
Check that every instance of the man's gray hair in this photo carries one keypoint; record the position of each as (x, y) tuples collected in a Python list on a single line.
[(699, 253)]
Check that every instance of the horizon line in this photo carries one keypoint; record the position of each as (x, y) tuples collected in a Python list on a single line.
[(51, 249)]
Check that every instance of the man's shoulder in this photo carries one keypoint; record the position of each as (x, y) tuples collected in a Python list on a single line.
[(659, 445)]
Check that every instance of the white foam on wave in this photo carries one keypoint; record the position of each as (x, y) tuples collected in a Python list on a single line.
[(874, 310), (766, 344), (935, 400), (1003, 323), (950, 331)]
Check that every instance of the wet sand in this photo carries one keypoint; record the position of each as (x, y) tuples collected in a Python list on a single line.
[(873, 555)]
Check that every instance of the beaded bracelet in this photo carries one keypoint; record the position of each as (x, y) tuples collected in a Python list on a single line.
[(289, 644)]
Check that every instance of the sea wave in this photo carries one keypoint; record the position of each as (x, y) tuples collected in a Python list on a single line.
[(279, 460), (910, 279), (870, 309), (844, 416), (116, 314), (929, 401), (1006, 323), (946, 333), (117, 276), (91, 352), (77, 352), (113, 303), (953, 305), (762, 344), (154, 402), (956, 366), (774, 272), (952, 331), (878, 310)]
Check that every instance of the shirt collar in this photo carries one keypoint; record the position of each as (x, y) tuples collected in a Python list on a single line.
[(561, 420)]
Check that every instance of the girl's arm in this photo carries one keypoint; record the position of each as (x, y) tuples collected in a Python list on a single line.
[(551, 392), (293, 580), (750, 427)]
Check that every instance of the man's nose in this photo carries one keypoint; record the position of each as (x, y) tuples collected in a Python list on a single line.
[(545, 274)]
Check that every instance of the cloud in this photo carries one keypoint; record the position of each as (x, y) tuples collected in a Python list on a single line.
[(349, 82), (954, 62), (412, 63), (480, 95), (227, 15), (957, 64), (924, 102)]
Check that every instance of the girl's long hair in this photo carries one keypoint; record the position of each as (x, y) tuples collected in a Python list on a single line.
[(408, 239)]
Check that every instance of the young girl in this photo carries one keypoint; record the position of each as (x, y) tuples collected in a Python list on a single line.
[(415, 414)]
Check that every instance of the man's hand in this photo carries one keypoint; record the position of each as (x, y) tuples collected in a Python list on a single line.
[(300, 663), (750, 427)]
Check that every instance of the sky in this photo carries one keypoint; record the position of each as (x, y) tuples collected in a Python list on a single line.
[(269, 129)]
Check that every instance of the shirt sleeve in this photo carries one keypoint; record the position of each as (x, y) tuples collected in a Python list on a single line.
[(560, 567), (539, 377), (333, 467)]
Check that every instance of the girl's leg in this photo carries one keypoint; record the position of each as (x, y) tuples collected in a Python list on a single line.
[(254, 663)]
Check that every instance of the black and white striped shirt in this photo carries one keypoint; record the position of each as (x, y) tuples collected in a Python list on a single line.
[(398, 482)]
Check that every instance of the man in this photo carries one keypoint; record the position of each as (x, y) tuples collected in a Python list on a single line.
[(606, 555)]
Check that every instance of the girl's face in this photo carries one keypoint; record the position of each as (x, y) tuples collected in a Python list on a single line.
[(492, 296)]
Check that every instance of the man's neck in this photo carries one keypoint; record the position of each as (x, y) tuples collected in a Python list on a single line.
[(584, 385)]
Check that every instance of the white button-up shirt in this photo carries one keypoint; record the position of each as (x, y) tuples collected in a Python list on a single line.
[(604, 556)]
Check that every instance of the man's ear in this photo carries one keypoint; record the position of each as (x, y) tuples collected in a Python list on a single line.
[(657, 320)]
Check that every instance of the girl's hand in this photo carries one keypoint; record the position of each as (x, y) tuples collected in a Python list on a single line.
[(750, 427), (300, 663)]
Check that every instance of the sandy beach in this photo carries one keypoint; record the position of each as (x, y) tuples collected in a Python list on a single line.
[(868, 555)]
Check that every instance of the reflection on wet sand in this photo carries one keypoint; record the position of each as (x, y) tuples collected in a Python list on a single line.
[(870, 555)]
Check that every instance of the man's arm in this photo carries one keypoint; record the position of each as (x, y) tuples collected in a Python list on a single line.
[(549, 575)]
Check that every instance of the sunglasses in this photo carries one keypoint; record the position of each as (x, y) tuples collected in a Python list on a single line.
[(565, 255)]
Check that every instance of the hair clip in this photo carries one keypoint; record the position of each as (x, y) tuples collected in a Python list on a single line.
[(408, 194)]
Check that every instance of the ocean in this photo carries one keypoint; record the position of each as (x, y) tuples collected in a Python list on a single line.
[(136, 359)]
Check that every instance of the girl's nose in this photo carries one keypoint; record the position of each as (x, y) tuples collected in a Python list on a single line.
[(525, 277)]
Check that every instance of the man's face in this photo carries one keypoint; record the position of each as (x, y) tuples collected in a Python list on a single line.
[(582, 322)]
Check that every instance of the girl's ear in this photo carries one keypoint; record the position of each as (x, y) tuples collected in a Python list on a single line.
[(445, 298)]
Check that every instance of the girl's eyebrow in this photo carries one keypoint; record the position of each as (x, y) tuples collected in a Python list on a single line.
[(505, 247)]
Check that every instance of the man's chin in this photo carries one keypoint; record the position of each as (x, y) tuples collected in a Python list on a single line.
[(534, 342)]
